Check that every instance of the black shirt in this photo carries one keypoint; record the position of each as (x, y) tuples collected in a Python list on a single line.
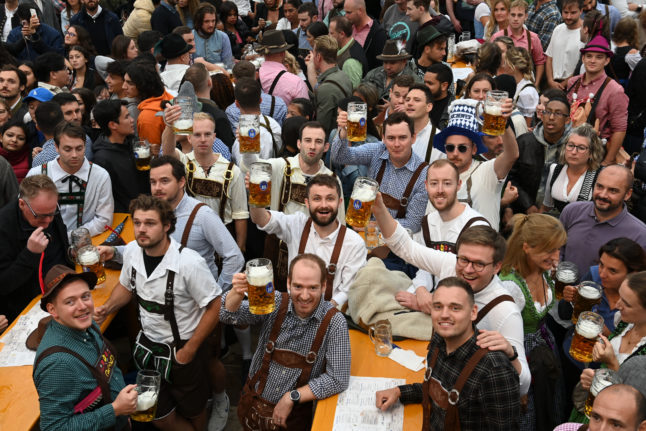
[(151, 262), (438, 110)]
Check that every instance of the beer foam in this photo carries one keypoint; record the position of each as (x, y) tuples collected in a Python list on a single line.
[(88, 257), (566, 276), (589, 292), (493, 110), (183, 124), (363, 194), (142, 153), (146, 400), (259, 177), (587, 329), (356, 117), (259, 275), (598, 385)]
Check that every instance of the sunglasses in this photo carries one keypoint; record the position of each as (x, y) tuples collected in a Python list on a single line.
[(461, 148)]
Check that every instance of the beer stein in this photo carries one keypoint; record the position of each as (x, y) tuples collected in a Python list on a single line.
[(249, 134), (90, 260), (588, 295), (80, 237), (450, 49), (566, 274), (357, 121), (260, 278), (372, 235), (143, 155), (603, 377), (493, 123), (260, 185), (381, 335), (148, 384), (363, 196), (184, 125), (464, 36), (587, 329)]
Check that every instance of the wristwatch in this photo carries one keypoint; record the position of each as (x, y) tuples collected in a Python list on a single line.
[(295, 396), (515, 356)]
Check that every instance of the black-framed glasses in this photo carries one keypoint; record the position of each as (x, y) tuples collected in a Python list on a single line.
[(70, 34), (578, 148), (42, 216), (461, 148), (549, 113), (463, 262)]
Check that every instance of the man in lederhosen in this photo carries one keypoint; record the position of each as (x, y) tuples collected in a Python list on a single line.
[(178, 309), (303, 350), (465, 387)]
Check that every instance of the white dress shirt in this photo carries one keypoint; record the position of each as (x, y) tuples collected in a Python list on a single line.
[(266, 144), (422, 141), (172, 75)]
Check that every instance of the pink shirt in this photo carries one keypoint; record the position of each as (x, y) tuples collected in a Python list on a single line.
[(521, 42), (612, 109), (361, 34), (288, 87)]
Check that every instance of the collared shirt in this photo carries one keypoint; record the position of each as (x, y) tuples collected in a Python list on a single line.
[(288, 87), (585, 234), (289, 228), (98, 205), (236, 205), (612, 108), (542, 20), (504, 317), (194, 289), (172, 75), (489, 399), (301, 34), (267, 149), (352, 67), (99, 9), (564, 49), (423, 140), (280, 110), (537, 49), (361, 34), (215, 49), (49, 153), (54, 89), (331, 369), (485, 190)]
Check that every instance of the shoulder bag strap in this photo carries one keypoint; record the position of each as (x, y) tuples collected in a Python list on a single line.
[(593, 116), (409, 189), (487, 308), (345, 93), (382, 169), (189, 224), (470, 223), (305, 235), (521, 90), (588, 183), (311, 356), (275, 81), (263, 372), (286, 188), (228, 176), (557, 170), (426, 232), (452, 419), (331, 268)]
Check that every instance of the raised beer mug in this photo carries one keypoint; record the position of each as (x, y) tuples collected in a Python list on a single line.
[(493, 123), (184, 124), (143, 154), (260, 278), (89, 259), (80, 237), (249, 133), (566, 274), (381, 335), (357, 121), (363, 196), (586, 331), (260, 184), (148, 384), (603, 377), (588, 295)]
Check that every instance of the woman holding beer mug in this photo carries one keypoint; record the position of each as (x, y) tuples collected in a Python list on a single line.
[(532, 252)]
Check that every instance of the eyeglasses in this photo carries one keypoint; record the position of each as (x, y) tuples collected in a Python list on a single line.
[(42, 216), (549, 113), (578, 148), (463, 262), (451, 148), (70, 34)]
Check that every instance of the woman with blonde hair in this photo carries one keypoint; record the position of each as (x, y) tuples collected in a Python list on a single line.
[(532, 252), (519, 61), (499, 17), (573, 177), (186, 10)]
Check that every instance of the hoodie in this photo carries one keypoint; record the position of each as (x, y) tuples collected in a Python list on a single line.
[(150, 127), (119, 161), (139, 19)]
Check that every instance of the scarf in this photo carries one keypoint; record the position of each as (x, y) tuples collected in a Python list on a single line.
[(19, 161)]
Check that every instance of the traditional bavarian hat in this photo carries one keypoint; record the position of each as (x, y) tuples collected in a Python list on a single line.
[(394, 50), (272, 42), (462, 121)]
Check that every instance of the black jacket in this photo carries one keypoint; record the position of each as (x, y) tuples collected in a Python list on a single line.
[(103, 30), (374, 44), (164, 20), (119, 161), (18, 265)]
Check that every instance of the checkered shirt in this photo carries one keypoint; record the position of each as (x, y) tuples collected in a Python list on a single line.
[(280, 110), (49, 152), (543, 20)]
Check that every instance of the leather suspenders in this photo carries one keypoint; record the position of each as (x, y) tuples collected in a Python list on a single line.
[(399, 205)]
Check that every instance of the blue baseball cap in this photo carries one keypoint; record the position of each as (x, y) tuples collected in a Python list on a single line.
[(40, 94)]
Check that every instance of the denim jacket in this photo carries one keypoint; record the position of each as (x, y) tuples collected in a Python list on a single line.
[(215, 49)]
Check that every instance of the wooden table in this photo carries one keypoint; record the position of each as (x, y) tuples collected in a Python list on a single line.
[(367, 364), (19, 409)]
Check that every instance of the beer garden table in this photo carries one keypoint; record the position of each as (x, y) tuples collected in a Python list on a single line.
[(367, 364), (19, 409)]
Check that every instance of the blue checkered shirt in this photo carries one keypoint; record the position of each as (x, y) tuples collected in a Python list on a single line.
[(49, 152), (394, 181), (280, 110), (543, 21), (220, 147)]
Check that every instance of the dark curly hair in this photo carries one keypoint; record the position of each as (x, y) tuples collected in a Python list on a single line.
[(145, 77), (151, 203)]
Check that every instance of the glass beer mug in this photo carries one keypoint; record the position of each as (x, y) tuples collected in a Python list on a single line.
[(603, 377), (260, 278), (588, 295), (357, 121), (260, 184), (143, 155), (587, 329), (148, 384), (493, 123), (566, 274), (249, 134), (381, 335), (184, 125), (80, 237), (90, 260), (363, 196)]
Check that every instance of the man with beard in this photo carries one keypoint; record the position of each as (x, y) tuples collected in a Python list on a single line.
[(419, 103), (176, 296), (342, 249), (479, 254), (591, 224), (439, 78), (350, 57), (12, 84), (395, 63), (211, 44), (165, 17), (337, 10), (102, 24)]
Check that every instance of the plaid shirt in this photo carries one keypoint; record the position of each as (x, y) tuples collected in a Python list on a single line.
[(489, 400), (542, 20)]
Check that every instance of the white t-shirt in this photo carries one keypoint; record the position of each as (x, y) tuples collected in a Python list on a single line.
[(526, 97), (564, 49), (422, 142), (485, 192), (559, 191)]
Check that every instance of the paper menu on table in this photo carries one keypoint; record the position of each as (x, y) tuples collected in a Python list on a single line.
[(15, 353), (356, 408)]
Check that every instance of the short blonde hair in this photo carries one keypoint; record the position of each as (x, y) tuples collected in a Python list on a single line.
[(203, 116), (522, 4), (31, 186), (327, 46)]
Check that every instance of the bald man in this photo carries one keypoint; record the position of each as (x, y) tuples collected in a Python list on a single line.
[(368, 32), (618, 407)]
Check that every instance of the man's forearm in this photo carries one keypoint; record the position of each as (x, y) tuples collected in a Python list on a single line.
[(539, 73), (612, 147), (168, 142), (120, 296), (260, 216), (241, 232)]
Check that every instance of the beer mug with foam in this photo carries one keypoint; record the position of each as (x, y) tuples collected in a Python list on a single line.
[(493, 123), (260, 185), (361, 200), (587, 329), (357, 121), (588, 295), (566, 274), (80, 237), (603, 377), (249, 133), (260, 278), (143, 155), (381, 335), (90, 260), (148, 384), (184, 125)]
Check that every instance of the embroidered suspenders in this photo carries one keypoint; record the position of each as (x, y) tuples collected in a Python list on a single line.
[(72, 197), (208, 187)]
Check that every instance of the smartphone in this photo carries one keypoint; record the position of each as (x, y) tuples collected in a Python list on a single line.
[(33, 12)]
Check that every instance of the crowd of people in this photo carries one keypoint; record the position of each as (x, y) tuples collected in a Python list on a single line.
[(478, 220)]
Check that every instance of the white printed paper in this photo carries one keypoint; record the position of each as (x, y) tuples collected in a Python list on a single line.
[(15, 353), (408, 359), (356, 408)]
